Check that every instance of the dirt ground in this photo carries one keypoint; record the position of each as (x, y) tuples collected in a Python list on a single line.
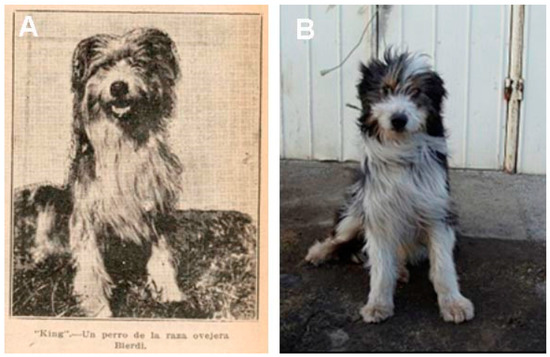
[(505, 279)]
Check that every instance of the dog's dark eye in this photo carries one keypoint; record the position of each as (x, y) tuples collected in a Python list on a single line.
[(93, 70), (415, 92), (385, 90), (136, 62), (108, 64)]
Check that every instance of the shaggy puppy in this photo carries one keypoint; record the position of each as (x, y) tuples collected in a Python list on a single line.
[(401, 202), (123, 180)]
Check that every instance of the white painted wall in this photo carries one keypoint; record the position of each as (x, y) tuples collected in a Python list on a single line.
[(532, 130), (469, 46), (315, 122)]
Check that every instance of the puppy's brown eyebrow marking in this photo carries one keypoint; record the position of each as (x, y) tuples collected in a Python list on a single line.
[(390, 83)]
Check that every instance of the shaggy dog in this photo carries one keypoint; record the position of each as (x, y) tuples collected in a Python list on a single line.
[(124, 180), (401, 203)]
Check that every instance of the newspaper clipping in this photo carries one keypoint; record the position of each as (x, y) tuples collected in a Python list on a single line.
[(136, 179)]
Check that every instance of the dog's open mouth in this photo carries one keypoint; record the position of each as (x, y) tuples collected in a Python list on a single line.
[(121, 108)]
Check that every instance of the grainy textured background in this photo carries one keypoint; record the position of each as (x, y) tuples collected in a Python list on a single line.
[(215, 131)]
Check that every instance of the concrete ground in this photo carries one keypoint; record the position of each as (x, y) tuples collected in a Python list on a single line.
[(501, 261)]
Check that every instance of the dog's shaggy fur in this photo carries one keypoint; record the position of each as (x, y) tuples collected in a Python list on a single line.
[(401, 203), (124, 180)]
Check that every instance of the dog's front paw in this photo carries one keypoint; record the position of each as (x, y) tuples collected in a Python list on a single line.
[(172, 295), (374, 313), (95, 307), (456, 309), (166, 292), (92, 292), (318, 252)]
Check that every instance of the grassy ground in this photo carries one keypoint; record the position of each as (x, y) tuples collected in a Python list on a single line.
[(215, 251)]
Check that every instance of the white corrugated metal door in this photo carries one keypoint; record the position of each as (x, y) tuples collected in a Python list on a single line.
[(469, 46)]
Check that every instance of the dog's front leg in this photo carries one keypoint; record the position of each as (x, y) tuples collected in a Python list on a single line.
[(383, 276), (162, 271), (92, 283), (454, 307)]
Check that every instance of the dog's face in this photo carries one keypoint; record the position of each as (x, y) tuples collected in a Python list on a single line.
[(400, 96), (126, 79)]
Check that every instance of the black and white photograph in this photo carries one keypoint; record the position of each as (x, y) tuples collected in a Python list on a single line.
[(135, 167)]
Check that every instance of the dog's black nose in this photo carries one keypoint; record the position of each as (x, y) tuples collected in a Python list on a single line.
[(398, 122), (119, 88)]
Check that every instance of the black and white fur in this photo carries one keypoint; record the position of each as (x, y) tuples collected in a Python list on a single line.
[(124, 179), (401, 203)]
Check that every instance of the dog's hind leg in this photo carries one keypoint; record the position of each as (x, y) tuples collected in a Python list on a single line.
[(92, 283), (349, 224), (409, 253), (162, 272), (43, 244), (50, 203), (453, 305), (403, 272)]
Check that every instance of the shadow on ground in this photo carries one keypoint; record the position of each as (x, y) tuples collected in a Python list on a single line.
[(505, 279), (215, 251)]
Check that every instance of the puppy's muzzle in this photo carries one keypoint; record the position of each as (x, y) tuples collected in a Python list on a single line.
[(120, 106), (398, 122)]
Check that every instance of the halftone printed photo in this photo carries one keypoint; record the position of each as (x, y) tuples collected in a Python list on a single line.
[(135, 148)]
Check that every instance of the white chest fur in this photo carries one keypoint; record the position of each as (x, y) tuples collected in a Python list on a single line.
[(405, 187), (129, 182)]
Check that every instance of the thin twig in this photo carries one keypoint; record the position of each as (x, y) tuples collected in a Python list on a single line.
[(327, 71), (349, 105)]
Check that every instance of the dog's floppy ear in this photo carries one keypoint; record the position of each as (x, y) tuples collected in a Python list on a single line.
[(435, 89), (158, 46), (83, 56), (371, 76)]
